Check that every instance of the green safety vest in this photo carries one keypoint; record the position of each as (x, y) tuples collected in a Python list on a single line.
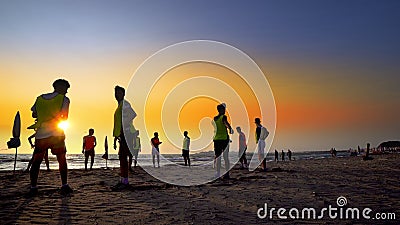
[(222, 133), (118, 121), (47, 110)]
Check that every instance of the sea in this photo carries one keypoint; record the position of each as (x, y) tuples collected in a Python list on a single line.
[(77, 161)]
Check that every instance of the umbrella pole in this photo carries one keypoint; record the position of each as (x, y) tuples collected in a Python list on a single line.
[(15, 159)]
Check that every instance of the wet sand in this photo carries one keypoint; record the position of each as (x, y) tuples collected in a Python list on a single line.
[(296, 184)]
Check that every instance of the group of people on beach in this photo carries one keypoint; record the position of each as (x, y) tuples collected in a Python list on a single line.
[(289, 155), (51, 109)]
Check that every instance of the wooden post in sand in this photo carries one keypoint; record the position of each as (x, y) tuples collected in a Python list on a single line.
[(105, 156)]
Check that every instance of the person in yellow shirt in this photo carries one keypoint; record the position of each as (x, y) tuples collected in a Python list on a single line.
[(221, 139)]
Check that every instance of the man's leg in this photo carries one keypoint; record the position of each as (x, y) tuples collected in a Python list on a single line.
[(135, 160), (86, 159), (226, 158), (34, 172), (123, 162), (30, 163), (62, 165), (158, 160), (46, 160), (130, 161), (91, 159)]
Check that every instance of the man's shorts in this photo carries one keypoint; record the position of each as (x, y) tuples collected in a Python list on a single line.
[(220, 146), (155, 151), (260, 147), (185, 153), (123, 147), (56, 144), (135, 152), (89, 152)]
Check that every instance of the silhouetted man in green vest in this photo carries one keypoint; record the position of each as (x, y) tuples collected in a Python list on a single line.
[(221, 138), (50, 110)]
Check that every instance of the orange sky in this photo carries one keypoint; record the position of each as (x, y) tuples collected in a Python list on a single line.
[(306, 112)]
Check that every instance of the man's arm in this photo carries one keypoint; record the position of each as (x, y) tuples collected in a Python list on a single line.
[(83, 145), (227, 125), (95, 141), (30, 140), (65, 108)]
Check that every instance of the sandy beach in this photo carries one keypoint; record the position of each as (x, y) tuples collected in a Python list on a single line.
[(296, 184)]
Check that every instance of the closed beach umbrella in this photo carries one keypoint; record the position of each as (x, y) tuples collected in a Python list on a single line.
[(17, 126), (15, 141)]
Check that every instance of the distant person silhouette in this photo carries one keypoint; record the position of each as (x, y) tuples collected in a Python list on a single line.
[(123, 133), (155, 151), (50, 109), (89, 142), (261, 134), (289, 154), (333, 152), (283, 155), (276, 156), (367, 157), (242, 149), (46, 155), (136, 149), (221, 138), (185, 148)]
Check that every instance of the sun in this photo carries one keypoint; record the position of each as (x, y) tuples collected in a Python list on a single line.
[(63, 125)]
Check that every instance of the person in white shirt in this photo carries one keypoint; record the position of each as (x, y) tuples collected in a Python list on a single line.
[(261, 134), (242, 149)]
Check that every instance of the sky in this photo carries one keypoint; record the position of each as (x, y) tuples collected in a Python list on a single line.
[(333, 66)]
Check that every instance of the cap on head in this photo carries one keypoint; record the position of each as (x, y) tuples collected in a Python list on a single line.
[(221, 107)]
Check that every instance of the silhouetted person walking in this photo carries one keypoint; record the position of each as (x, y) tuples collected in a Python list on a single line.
[(289, 154), (221, 138), (276, 156), (261, 134), (367, 157), (283, 155), (242, 148)]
